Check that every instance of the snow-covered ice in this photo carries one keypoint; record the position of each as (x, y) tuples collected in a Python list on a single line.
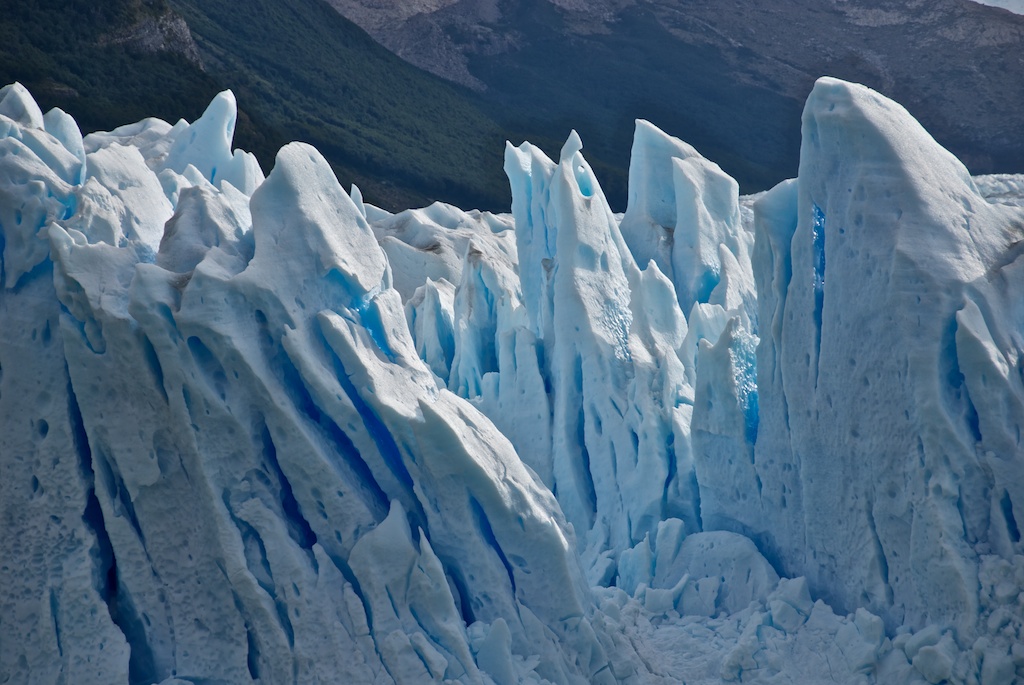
[(256, 429)]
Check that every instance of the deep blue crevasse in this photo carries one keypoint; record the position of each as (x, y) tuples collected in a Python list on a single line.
[(745, 370), (818, 232), (819, 262), (369, 317)]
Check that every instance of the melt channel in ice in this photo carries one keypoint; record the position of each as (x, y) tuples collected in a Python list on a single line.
[(258, 430)]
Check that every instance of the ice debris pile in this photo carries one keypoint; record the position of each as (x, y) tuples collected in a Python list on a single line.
[(257, 430)]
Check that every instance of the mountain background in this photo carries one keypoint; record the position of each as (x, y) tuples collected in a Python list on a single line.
[(1012, 5), (413, 100)]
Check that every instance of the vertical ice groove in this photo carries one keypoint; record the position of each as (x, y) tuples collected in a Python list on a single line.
[(488, 535), (745, 369), (369, 317), (430, 313), (342, 447), (398, 482), (1006, 507), (252, 659), (957, 390), (377, 429), (298, 526), (55, 617), (141, 666), (818, 238), (880, 558), (258, 564)]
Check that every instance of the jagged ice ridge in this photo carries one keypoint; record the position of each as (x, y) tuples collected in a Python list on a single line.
[(257, 430)]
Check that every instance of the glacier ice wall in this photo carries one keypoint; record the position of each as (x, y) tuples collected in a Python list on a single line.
[(261, 458), (890, 391), (258, 430)]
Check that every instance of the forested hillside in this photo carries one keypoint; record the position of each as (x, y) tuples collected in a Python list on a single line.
[(299, 71)]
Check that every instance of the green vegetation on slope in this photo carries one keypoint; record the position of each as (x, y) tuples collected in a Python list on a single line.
[(54, 48), (304, 69), (599, 83), (299, 71)]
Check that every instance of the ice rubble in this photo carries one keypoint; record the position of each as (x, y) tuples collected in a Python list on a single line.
[(256, 429)]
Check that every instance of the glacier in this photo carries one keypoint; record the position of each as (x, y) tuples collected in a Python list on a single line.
[(256, 429)]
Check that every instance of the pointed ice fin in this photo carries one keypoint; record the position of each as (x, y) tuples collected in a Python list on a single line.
[(64, 128), (17, 103), (651, 213), (206, 143), (572, 145), (302, 217), (357, 199)]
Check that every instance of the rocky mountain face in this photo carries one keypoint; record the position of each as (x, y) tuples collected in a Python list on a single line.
[(1016, 6), (728, 76), (105, 63), (156, 33)]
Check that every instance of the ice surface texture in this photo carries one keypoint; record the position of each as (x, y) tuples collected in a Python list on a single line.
[(257, 430)]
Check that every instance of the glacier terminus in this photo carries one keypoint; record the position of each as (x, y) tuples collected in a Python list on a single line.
[(254, 429)]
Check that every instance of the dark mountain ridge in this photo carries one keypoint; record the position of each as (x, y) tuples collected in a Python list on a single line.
[(730, 77), (300, 71)]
